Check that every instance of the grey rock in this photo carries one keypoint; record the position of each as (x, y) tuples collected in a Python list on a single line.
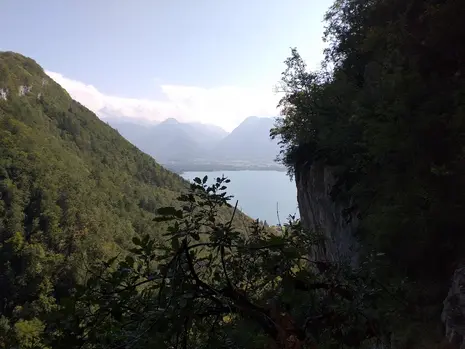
[(320, 213), (3, 94), (453, 314), (24, 89)]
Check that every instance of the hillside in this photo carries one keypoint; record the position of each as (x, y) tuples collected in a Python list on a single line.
[(72, 191)]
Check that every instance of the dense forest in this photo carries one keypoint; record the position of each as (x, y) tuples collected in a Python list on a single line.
[(71, 189), (72, 192), (103, 248), (386, 113)]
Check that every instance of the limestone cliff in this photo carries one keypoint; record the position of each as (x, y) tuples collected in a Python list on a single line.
[(453, 314), (319, 212)]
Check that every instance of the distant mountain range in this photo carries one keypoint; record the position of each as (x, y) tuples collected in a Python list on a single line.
[(201, 147)]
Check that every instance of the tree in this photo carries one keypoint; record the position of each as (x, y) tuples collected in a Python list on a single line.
[(385, 114), (210, 286)]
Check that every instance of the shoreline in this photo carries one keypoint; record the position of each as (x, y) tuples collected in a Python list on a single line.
[(184, 169)]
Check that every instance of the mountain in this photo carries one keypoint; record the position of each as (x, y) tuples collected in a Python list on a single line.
[(128, 129), (72, 191), (250, 141), (171, 141), (198, 147)]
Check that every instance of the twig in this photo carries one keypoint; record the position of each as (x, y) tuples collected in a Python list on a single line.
[(277, 215), (233, 214)]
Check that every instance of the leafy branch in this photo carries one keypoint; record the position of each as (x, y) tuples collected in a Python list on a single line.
[(206, 273)]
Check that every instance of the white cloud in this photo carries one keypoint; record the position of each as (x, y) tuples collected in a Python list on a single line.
[(225, 106)]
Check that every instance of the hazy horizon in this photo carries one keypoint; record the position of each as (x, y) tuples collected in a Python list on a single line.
[(139, 121), (211, 62)]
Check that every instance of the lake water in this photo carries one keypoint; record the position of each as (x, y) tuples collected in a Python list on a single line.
[(259, 192)]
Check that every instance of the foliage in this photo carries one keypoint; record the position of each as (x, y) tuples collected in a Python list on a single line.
[(72, 191), (385, 112), (209, 285)]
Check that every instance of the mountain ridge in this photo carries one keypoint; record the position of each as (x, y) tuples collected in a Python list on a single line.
[(194, 146)]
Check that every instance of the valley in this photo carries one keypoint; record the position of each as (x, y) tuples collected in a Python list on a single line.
[(336, 224), (184, 147)]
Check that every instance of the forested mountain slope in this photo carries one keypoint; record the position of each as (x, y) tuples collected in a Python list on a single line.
[(71, 190)]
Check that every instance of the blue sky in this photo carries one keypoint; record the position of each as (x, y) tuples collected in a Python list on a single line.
[(193, 60)]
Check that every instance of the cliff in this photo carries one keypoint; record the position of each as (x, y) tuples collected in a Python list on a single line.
[(453, 314), (398, 131), (320, 213)]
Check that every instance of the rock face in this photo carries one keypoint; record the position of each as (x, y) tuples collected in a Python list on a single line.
[(453, 314), (24, 89), (3, 94), (319, 212)]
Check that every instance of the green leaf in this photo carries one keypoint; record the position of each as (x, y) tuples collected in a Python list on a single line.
[(175, 243), (117, 313), (163, 218), (136, 251), (183, 302), (204, 180), (167, 211), (145, 239), (129, 260)]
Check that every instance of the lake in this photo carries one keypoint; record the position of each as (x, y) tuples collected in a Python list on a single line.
[(258, 192)]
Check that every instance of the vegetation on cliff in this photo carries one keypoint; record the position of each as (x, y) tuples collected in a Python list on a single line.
[(386, 112)]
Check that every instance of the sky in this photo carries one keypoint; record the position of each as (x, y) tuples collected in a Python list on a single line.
[(211, 61)]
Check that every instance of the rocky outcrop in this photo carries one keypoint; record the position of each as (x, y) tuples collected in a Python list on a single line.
[(453, 314), (3, 94), (320, 213), (24, 89)]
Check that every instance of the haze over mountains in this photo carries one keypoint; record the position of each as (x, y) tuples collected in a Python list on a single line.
[(196, 146)]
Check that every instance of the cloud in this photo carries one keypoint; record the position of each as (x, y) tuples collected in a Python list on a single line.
[(225, 106)]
